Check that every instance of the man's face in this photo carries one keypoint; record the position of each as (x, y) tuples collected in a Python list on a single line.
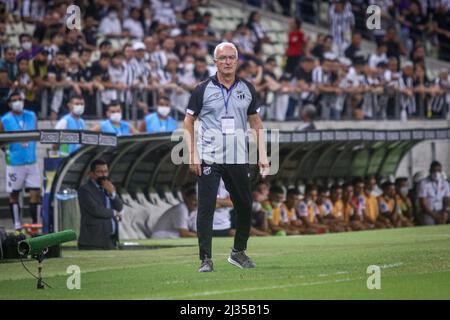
[(74, 102), (104, 63), (100, 171), (23, 66), (128, 53), (85, 57), (313, 195), (169, 45), (263, 189), (337, 194), (349, 192), (150, 44), (113, 109), (200, 67), (292, 200), (277, 198), (10, 55), (356, 40), (226, 60), (390, 191), (359, 188), (435, 172), (191, 202), (60, 61)]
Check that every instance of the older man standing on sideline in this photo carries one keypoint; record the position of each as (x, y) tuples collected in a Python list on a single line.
[(222, 104)]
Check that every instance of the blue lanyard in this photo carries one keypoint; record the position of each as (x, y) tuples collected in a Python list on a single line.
[(225, 101)]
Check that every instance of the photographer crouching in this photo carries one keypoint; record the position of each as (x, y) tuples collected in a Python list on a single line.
[(100, 207)]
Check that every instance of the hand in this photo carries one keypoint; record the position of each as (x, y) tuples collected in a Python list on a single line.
[(108, 186), (194, 165), (118, 216), (264, 168), (195, 169)]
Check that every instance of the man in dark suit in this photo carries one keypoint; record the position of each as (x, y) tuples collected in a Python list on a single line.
[(100, 207)]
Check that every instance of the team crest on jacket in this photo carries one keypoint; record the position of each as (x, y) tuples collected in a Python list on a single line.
[(206, 170), (240, 95)]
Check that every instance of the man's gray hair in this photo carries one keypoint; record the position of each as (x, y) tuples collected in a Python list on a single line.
[(222, 45)]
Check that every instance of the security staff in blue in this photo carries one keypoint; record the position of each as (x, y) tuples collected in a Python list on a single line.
[(72, 121), (159, 121), (223, 104), (22, 170), (114, 123)]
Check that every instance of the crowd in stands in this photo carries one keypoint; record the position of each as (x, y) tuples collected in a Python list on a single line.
[(322, 207), (136, 52)]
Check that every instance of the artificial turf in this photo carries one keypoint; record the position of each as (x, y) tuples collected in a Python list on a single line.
[(414, 262)]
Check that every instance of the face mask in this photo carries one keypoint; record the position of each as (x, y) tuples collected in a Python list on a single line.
[(189, 67), (17, 106), (115, 116), (163, 110), (404, 191), (26, 45), (113, 15), (78, 109), (436, 176)]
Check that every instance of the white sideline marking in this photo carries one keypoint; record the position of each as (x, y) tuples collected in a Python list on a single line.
[(209, 293)]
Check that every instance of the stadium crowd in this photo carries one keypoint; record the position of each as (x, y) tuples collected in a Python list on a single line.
[(322, 207), (134, 52)]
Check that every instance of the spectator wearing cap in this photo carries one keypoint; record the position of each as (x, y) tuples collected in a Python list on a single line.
[(110, 25), (9, 63), (133, 24), (296, 41), (114, 123), (139, 64), (159, 121)]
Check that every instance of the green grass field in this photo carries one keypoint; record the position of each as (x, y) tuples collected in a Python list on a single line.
[(414, 262)]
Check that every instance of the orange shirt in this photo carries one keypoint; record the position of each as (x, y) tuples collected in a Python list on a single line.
[(338, 209), (371, 207)]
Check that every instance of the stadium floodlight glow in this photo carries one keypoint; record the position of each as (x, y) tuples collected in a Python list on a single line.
[(37, 245)]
